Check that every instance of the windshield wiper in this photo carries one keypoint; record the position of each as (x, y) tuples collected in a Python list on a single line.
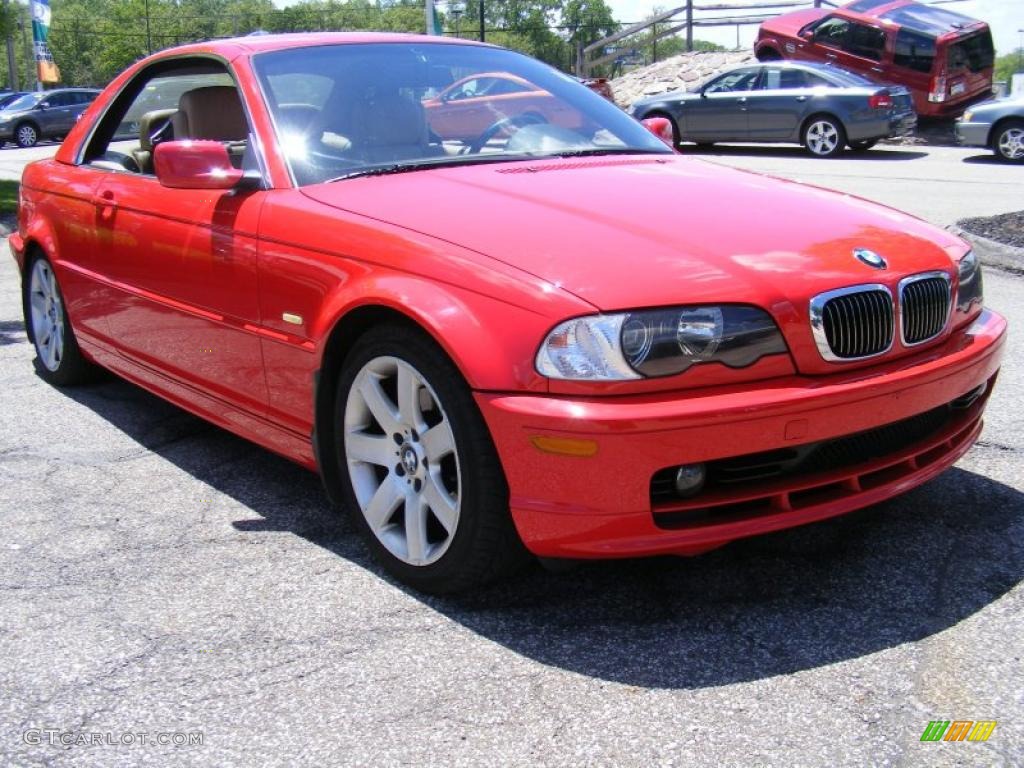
[(420, 165), (598, 151)]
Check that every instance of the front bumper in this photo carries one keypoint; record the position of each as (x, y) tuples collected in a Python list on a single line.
[(973, 134), (600, 505)]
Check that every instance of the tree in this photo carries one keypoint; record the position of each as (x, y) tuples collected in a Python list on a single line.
[(1010, 64)]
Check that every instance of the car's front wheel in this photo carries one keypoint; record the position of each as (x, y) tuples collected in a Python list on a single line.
[(26, 135), (60, 360), (1009, 141), (824, 136), (419, 472)]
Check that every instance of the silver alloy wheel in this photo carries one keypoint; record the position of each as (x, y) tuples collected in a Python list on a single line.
[(47, 314), (822, 137), (402, 461), (1011, 143), (27, 136)]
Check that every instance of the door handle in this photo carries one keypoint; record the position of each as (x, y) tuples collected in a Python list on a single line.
[(742, 100), (831, 56), (107, 204), (801, 98)]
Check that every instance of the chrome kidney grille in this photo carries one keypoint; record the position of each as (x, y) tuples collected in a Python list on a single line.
[(924, 307), (860, 321), (853, 323)]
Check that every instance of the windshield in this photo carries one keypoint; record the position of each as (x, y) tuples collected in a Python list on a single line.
[(27, 101), (352, 109)]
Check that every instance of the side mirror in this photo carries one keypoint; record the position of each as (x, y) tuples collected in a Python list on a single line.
[(193, 164), (806, 34), (43, 105), (660, 127)]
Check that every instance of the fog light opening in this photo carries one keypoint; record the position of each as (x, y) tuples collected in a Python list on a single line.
[(690, 479)]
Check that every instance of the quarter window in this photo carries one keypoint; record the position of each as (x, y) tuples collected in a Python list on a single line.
[(914, 50)]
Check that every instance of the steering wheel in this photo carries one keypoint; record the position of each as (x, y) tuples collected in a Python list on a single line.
[(514, 121)]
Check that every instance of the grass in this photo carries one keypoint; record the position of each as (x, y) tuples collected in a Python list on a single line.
[(8, 198)]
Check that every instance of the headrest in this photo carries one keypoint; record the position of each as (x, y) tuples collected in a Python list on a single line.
[(150, 125), (214, 113)]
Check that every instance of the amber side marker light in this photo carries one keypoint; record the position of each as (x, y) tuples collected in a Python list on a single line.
[(565, 446)]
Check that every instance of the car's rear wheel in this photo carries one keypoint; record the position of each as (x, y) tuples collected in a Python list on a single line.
[(59, 358), (824, 136), (863, 146), (1009, 141), (419, 472), (26, 135)]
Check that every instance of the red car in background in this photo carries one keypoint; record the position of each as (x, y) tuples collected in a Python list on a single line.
[(570, 342), (946, 59), (467, 107)]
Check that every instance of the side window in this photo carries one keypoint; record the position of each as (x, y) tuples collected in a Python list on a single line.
[(866, 42), (832, 32), (58, 99), (739, 80), (776, 79), (914, 50), (194, 100), (502, 86), (814, 81), (467, 90)]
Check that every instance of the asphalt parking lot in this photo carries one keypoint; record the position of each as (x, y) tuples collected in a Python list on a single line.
[(160, 576)]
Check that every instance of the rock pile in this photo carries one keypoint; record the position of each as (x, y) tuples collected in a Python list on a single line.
[(682, 72)]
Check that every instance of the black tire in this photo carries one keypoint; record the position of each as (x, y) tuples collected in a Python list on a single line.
[(485, 545), (26, 134), (71, 367), (1006, 136), (705, 144), (837, 140), (863, 146)]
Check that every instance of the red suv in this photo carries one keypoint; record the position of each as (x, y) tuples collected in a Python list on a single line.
[(946, 59)]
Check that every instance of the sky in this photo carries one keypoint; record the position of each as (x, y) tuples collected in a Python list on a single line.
[(1006, 17)]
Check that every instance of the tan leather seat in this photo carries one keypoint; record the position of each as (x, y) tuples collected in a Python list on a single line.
[(214, 112), (390, 127), (151, 125)]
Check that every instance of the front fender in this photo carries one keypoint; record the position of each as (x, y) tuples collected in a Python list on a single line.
[(492, 343)]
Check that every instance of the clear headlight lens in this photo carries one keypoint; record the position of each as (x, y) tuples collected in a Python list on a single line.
[(968, 116), (971, 288), (660, 342)]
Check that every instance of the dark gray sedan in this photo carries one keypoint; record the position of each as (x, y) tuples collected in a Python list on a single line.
[(998, 125), (43, 115), (821, 107)]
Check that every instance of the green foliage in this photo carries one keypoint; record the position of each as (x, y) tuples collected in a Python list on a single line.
[(8, 198), (1010, 64)]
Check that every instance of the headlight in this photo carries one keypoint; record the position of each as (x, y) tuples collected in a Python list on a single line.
[(968, 116), (971, 289), (659, 342)]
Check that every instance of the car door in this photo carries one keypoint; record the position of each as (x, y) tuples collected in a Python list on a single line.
[(720, 114), (180, 265), (58, 114), (775, 109)]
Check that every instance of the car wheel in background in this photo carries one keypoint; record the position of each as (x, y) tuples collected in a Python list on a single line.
[(26, 135), (824, 136), (419, 472), (59, 358), (1009, 141), (863, 146)]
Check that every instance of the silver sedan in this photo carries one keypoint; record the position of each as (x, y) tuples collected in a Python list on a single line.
[(998, 125)]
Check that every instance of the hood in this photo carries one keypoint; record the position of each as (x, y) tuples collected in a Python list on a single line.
[(791, 23), (627, 232)]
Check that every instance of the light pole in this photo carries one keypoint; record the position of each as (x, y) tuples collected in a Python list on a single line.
[(1020, 51), (456, 11)]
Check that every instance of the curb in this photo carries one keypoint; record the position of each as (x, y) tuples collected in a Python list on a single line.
[(993, 253)]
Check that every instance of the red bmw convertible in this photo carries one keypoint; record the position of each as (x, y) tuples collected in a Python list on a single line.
[(570, 342)]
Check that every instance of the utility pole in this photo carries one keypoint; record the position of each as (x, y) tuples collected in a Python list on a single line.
[(12, 64), (481, 21), (149, 36)]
